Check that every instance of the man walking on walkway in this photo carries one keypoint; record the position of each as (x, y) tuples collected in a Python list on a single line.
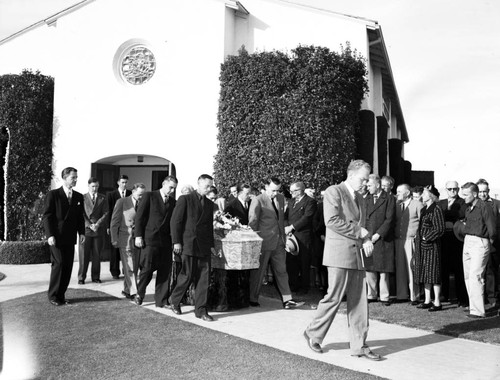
[(267, 216), (345, 235), (62, 220), (193, 238)]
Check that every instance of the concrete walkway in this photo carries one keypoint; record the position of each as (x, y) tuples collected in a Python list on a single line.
[(409, 353)]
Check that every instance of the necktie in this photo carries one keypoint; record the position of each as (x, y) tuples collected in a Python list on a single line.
[(165, 199), (375, 197), (202, 201), (245, 204), (93, 199), (402, 206), (275, 208), (136, 205), (356, 201), (123, 194), (70, 194)]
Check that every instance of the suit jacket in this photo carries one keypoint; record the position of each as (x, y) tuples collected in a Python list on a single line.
[(263, 220), (407, 220), (454, 213), (235, 208), (94, 213), (301, 215), (343, 221), (152, 221), (111, 198), (123, 223), (380, 219), (192, 225), (495, 204), (61, 219)]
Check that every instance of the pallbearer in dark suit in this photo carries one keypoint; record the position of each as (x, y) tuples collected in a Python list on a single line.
[(123, 236), (111, 198), (298, 220), (152, 233), (267, 218), (239, 205), (193, 236), (237, 283), (62, 220), (95, 219)]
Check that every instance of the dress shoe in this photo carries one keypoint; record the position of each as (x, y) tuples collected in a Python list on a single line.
[(65, 302), (55, 302), (292, 304), (313, 345), (81, 282), (176, 309), (205, 317), (97, 281), (415, 303), (425, 305), (386, 303), (368, 354), (254, 304), (372, 300), (138, 300), (126, 295), (474, 316), (116, 277), (435, 308)]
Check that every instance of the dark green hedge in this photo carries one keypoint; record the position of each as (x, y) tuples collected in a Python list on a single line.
[(24, 252), (26, 117), (292, 116)]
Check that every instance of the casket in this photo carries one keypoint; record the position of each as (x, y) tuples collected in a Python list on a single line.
[(237, 250)]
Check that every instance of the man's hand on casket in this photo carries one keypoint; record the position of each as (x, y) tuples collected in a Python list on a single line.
[(177, 248)]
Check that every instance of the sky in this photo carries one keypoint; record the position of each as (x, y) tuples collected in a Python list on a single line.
[(445, 58)]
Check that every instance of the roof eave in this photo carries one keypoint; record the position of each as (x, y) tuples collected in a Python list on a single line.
[(399, 111)]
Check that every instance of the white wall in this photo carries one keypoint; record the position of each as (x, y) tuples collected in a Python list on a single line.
[(279, 25), (174, 115)]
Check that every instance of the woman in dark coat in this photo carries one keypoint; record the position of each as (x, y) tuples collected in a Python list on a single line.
[(428, 248)]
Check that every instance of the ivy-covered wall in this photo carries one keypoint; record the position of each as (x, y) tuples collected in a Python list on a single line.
[(289, 115), (26, 116)]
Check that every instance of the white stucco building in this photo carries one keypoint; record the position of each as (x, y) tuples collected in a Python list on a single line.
[(105, 126)]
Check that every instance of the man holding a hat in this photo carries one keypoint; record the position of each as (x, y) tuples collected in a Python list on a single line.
[(298, 221), (453, 208), (480, 233)]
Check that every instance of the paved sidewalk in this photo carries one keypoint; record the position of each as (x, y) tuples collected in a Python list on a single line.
[(409, 353)]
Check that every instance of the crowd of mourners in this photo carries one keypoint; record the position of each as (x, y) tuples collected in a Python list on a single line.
[(426, 250)]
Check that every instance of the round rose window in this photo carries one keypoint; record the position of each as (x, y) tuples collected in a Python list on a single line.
[(137, 65)]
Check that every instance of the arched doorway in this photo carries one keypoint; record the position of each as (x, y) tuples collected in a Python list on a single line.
[(150, 170)]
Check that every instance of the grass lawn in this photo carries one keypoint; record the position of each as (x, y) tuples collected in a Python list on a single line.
[(451, 321), (102, 337)]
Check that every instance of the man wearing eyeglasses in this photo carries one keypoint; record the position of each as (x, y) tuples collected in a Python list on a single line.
[(451, 250), (298, 221)]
